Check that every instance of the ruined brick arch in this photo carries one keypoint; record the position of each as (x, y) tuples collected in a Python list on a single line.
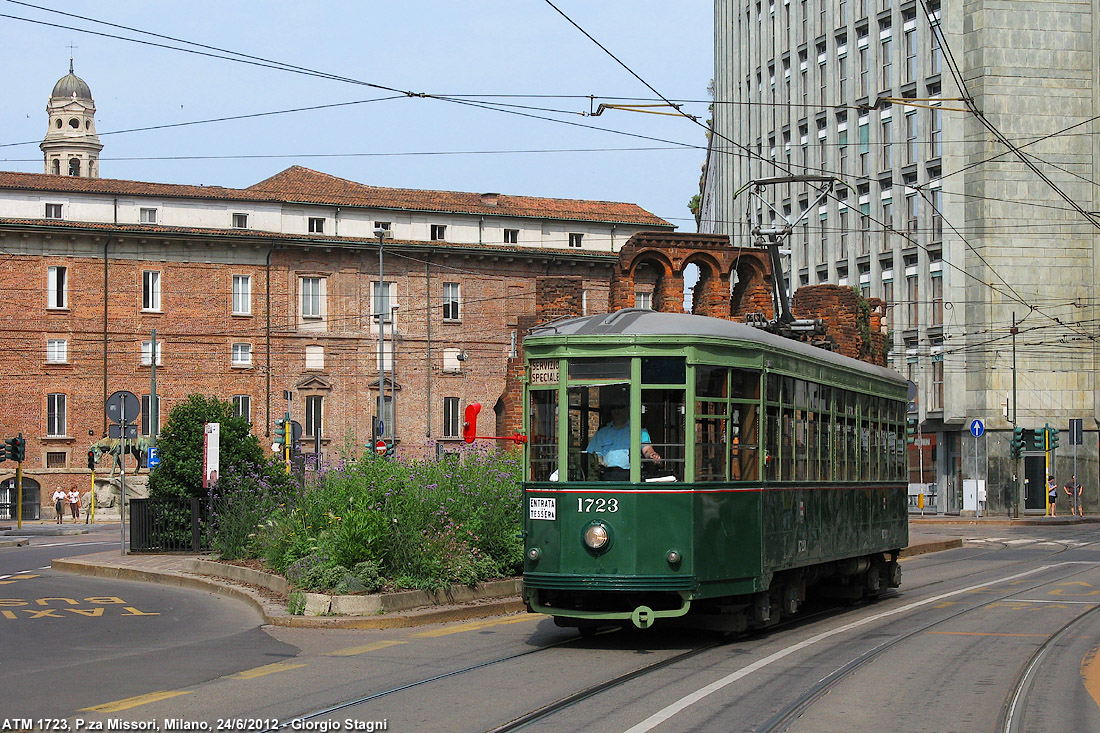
[(648, 269), (718, 260)]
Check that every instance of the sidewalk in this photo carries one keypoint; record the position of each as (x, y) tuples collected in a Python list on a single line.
[(185, 571)]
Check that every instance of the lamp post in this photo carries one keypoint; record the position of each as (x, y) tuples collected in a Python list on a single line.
[(380, 312), (393, 370)]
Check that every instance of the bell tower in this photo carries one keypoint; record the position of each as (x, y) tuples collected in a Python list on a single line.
[(71, 146)]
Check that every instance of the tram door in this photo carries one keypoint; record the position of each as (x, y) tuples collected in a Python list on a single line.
[(1035, 492)]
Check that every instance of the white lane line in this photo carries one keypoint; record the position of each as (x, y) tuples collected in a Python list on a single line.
[(683, 703)]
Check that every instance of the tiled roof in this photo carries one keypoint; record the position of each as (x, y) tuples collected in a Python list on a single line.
[(309, 186), (302, 185)]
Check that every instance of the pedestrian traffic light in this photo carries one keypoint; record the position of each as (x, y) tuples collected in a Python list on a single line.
[(1053, 438), (1039, 439), (91, 459), (1016, 448), (911, 430)]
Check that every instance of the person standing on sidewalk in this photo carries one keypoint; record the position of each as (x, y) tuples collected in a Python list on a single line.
[(59, 499), (1052, 493), (74, 503), (1073, 491)]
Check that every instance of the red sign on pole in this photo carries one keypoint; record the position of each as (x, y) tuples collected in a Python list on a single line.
[(380, 447)]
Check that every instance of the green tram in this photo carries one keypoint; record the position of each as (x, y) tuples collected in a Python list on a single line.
[(777, 469)]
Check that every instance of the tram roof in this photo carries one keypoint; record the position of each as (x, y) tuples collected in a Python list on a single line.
[(644, 322)]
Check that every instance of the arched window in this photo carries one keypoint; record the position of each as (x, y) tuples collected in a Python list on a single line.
[(57, 166), (74, 167)]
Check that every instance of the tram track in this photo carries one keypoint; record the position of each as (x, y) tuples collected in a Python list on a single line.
[(778, 721), (1010, 721)]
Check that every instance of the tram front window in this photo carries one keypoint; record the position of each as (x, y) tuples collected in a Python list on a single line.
[(544, 435)]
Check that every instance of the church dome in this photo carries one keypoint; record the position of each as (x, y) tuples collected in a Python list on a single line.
[(71, 84)]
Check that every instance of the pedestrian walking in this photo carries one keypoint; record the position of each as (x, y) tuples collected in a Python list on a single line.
[(1052, 493), (1073, 491), (74, 503), (59, 499)]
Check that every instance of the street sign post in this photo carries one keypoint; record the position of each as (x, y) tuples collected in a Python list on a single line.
[(123, 408), (977, 429)]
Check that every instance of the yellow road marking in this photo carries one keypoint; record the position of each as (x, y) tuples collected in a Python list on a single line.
[(1090, 674), (133, 702), (264, 670), (353, 650), (475, 625)]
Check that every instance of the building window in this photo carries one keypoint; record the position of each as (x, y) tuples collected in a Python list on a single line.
[(886, 159), (57, 351), (150, 290), (240, 221), (887, 64), (55, 415), (146, 414), (57, 459), (386, 418), (242, 295), (74, 163), (936, 352), (452, 361), (242, 354), (311, 297), (148, 216), (937, 299), (316, 225), (451, 419), (57, 287), (511, 236), (575, 239), (56, 166), (314, 416), (315, 357), (451, 300), (242, 406), (911, 137), (439, 232), (911, 298), (383, 225), (147, 353), (643, 300), (382, 299)]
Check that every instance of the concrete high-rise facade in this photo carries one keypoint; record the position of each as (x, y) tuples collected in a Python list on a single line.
[(961, 135)]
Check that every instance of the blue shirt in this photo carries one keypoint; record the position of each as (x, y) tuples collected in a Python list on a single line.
[(612, 444)]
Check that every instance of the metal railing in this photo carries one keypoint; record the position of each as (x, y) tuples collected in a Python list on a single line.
[(166, 525)]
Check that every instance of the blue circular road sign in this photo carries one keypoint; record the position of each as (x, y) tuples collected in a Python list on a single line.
[(977, 428)]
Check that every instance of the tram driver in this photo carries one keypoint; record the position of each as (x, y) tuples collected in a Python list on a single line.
[(611, 443)]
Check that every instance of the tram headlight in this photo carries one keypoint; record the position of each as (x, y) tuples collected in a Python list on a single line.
[(597, 536), (534, 554)]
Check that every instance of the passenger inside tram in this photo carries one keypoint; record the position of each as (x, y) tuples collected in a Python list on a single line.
[(611, 443)]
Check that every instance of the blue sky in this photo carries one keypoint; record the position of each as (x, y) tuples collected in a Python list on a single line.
[(480, 47)]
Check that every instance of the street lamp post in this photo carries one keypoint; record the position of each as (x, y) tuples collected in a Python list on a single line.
[(393, 370), (380, 312)]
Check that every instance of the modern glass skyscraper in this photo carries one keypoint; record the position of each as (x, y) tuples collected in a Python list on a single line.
[(962, 136)]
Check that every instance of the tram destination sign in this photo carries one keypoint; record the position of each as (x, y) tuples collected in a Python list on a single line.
[(544, 371)]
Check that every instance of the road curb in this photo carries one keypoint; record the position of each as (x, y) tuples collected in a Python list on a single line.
[(924, 548)]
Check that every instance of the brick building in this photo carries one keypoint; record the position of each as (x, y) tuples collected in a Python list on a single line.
[(275, 290)]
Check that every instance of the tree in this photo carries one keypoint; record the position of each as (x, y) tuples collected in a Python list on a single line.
[(180, 446)]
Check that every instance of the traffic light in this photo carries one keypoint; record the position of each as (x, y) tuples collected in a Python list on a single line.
[(1053, 433), (911, 430), (3, 453), (91, 459), (280, 432), (1016, 448), (16, 448), (1039, 439), (391, 449)]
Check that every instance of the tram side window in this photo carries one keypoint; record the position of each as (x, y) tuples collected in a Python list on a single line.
[(544, 434), (711, 422), (744, 431)]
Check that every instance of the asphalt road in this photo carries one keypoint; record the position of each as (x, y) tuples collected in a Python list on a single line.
[(1002, 634), (70, 642)]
